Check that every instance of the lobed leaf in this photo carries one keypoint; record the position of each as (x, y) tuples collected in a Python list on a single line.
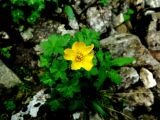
[(122, 61), (114, 76)]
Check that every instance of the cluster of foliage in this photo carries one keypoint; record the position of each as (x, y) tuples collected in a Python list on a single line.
[(104, 2), (75, 89), (30, 10), (9, 104), (5, 51), (127, 15)]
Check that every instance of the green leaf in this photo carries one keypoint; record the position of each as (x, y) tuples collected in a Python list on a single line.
[(79, 36), (101, 78), (45, 79), (114, 76), (88, 37), (64, 40), (98, 108), (68, 90), (126, 17), (58, 66), (33, 17), (5, 51), (122, 61), (76, 75), (130, 12), (44, 61), (68, 10), (63, 66), (60, 75), (76, 105), (107, 57), (104, 2), (93, 72), (9, 104), (18, 2), (55, 105), (94, 61), (47, 48), (100, 56), (17, 15), (53, 40)]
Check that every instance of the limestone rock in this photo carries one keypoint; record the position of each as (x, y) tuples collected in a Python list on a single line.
[(7, 77), (130, 46), (147, 117), (99, 20), (153, 35), (77, 7), (33, 107), (73, 24), (4, 35), (147, 78), (129, 77), (89, 1), (153, 3), (119, 19), (140, 96), (27, 34), (76, 115)]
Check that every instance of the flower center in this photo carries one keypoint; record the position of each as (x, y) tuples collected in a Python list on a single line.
[(79, 57)]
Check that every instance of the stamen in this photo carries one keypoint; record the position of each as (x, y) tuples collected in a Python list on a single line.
[(79, 57)]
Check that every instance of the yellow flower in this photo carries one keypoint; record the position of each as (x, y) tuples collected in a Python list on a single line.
[(80, 55)]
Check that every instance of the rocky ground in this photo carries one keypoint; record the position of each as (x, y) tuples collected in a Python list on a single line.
[(138, 37)]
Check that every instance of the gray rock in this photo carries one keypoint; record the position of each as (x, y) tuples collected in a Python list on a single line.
[(147, 117), (147, 78), (99, 20), (129, 77), (153, 3), (117, 20), (33, 107), (139, 2), (7, 77), (129, 45), (4, 35), (73, 24), (77, 7), (89, 1), (95, 117), (140, 96), (27, 34), (153, 36), (43, 29)]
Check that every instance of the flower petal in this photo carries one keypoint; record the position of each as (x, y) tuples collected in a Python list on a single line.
[(76, 65), (78, 46), (88, 49), (87, 62), (69, 54), (88, 66), (81, 47)]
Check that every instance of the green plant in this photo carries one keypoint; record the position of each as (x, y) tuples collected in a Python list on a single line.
[(104, 2), (30, 10), (68, 10), (35, 7), (127, 15), (76, 84), (9, 104), (5, 51)]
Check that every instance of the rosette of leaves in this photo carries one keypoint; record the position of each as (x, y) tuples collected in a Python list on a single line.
[(78, 90)]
